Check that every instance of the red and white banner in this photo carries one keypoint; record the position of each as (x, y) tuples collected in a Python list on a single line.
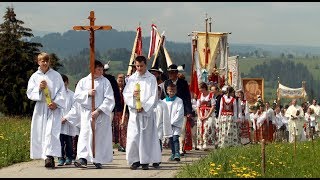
[(154, 40), (138, 49)]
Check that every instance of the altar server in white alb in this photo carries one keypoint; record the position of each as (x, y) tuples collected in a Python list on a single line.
[(176, 114), (46, 118), (295, 116), (104, 104), (73, 117), (142, 136), (162, 118)]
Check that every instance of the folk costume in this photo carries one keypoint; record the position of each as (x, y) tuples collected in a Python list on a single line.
[(228, 134), (206, 128)]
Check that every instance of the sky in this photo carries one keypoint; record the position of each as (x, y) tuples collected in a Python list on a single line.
[(272, 23)]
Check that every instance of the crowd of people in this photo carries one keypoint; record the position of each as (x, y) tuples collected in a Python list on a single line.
[(143, 113)]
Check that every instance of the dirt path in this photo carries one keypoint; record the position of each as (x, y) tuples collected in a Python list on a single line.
[(117, 169)]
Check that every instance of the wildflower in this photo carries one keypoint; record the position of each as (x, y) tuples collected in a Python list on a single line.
[(1, 137), (212, 164)]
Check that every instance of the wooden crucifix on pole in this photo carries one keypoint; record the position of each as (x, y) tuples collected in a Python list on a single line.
[(92, 28)]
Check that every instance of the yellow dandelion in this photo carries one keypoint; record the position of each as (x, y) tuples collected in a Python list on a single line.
[(215, 173), (238, 175), (218, 168), (1, 137), (212, 164), (244, 168)]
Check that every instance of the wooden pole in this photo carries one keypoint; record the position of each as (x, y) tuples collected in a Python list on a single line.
[(92, 28), (278, 95), (263, 157), (210, 24), (129, 72), (92, 58), (207, 49), (295, 143), (194, 47)]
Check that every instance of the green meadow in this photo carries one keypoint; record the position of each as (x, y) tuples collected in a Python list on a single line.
[(14, 140), (281, 161)]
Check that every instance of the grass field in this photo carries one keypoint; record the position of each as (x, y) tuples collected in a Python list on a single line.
[(235, 162), (14, 140), (245, 162)]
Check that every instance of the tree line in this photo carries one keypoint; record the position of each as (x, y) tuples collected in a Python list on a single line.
[(18, 61)]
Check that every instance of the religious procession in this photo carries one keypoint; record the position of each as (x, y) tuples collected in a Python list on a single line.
[(148, 110)]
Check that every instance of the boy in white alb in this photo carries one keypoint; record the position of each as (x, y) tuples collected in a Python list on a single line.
[(176, 115), (162, 119)]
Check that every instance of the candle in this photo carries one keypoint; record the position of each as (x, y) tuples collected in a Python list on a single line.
[(138, 102), (47, 95)]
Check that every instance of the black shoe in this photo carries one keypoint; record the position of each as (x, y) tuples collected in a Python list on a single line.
[(121, 149), (145, 166), (49, 162), (156, 165), (98, 165), (135, 165), (196, 149), (82, 163)]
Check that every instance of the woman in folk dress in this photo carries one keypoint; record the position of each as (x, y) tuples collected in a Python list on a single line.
[(228, 131), (206, 118)]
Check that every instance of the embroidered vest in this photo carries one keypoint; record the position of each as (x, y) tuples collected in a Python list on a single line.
[(227, 108), (206, 104)]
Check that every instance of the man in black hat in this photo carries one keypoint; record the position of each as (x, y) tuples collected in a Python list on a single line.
[(183, 92), (157, 73)]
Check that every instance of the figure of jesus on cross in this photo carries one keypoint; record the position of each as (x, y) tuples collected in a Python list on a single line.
[(92, 28)]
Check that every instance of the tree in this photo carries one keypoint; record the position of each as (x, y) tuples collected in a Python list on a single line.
[(17, 64), (54, 59)]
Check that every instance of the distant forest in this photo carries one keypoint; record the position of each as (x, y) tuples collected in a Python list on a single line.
[(70, 55), (72, 47)]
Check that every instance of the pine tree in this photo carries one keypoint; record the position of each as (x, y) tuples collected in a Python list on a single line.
[(17, 63)]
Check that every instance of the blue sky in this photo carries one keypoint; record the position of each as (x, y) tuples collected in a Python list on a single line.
[(276, 23)]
